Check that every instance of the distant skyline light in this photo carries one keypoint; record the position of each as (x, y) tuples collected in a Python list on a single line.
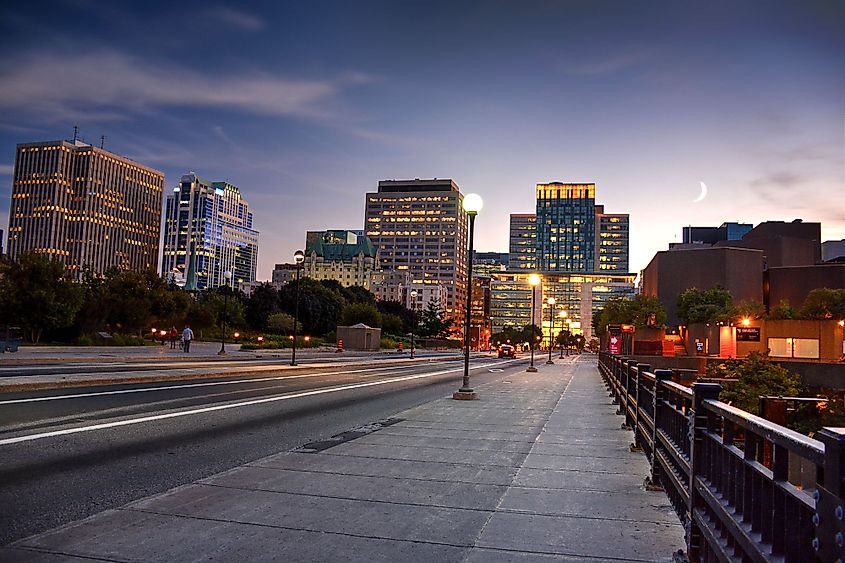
[(307, 106)]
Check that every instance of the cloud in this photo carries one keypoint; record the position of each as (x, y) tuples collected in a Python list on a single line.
[(608, 64), (782, 179), (235, 18), (108, 85)]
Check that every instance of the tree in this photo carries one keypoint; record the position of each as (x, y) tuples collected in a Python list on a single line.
[(643, 311), (262, 303), (392, 324), (319, 307), (355, 313), (433, 322), (824, 303), (280, 323), (750, 378), (36, 294), (408, 317), (783, 311), (710, 306), (749, 309), (531, 334), (212, 306)]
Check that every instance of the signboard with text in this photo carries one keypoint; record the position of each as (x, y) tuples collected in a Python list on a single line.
[(748, 334), (614, 344)]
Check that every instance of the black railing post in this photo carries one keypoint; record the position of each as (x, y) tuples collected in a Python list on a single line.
[(615, 374), (829, 519), (655, 481), (629, 373), (641, 368), (697, 427)]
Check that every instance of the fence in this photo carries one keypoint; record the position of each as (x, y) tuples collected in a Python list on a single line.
[(734, 479)]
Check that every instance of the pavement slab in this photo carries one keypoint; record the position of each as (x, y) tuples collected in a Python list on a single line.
[(536, 469)]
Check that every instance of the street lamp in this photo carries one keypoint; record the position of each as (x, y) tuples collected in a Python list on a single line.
[(227, 277), (562, 315), (472, 205), (414, 318), (534, 280), (299, 258), (551, 302)]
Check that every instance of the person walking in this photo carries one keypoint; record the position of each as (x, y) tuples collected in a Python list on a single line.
[(187, 336), (174, 337)]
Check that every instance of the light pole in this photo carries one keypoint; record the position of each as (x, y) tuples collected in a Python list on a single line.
[(534, 280), (414, 309), (551, 302), (472, 205), (299, 258), (227, 277), (563, 320)]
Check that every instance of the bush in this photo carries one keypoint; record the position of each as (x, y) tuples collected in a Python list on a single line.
[(753, 377), (280, 343)]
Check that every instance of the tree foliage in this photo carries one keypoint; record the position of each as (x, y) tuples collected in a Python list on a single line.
[(281, 323), (408, 317), (642, 311), (752, 378), (433, 321), (783, 311), (824, 303), (262, 303), (709, 306), (354, 313), (36, 294)]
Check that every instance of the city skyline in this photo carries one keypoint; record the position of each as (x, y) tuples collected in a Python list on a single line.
[(307, 108)]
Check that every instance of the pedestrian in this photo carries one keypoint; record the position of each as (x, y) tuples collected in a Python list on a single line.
[(174, 337), (187, 336)]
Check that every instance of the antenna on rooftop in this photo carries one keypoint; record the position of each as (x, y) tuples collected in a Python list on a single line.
[(75, 133), (102, 141)]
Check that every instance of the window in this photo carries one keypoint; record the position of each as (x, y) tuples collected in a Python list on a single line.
[(794, 347)]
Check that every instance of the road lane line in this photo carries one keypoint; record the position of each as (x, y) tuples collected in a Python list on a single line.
[(140, 420), (190, 385)]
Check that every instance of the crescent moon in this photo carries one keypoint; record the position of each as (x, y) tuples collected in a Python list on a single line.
[(703, 193)]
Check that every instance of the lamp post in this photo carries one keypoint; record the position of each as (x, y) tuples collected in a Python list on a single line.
[(299, 258), (227, 277), (414, 309), (472, 205), (551, 302), (564, 320), (534, 280)]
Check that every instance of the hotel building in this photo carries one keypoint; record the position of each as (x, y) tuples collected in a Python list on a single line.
[(343, 256), (208, 231), (419, 226), (85, 206)]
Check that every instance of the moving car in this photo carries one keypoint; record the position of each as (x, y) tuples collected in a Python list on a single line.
[(507, 351)]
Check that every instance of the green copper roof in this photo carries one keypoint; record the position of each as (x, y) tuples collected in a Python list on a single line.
[(333, 245)]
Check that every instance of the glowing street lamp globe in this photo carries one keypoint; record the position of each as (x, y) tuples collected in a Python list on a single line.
[(534, 279), (473, 203)]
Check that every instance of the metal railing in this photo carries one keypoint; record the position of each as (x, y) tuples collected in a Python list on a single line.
[(744, 488)]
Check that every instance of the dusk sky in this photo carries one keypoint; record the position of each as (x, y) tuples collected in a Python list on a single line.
[(306, 105)]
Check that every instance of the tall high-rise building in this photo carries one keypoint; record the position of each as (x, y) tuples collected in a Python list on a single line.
[(85, 206), (523, 242), (611, 241), (207, 232), (566, 227), (419, 226)]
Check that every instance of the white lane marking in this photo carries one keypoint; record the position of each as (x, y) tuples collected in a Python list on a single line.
[(190, 385), (32, 437)]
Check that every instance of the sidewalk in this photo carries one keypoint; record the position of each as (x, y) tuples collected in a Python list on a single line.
[(536, 469)]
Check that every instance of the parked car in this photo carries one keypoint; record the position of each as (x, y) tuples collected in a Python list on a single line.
[(507, 351)]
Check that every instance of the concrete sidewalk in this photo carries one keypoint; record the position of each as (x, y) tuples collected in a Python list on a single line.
[(536, 469)]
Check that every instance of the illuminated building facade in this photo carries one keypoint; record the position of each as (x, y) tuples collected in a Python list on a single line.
[(566, 227), (523, 242), (208, 231), (612, 241), (343, 256), (84, 206), (419, 226)]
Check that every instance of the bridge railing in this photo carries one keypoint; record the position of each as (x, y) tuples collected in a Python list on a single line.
[(744, 488)]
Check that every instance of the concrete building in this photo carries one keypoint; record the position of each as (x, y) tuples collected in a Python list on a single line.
[(339, 255), (419, 226), (612, 241), (208, 231), (391, 286), (522, 253), (283, 273), (427, 293), (566, 227), (85, 206), (794, 283), (783, 244), (670, 272)]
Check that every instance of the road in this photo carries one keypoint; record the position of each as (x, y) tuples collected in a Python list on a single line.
[(68, 453)]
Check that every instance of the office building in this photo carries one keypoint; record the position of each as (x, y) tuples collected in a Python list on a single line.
[(522, 247), (712, 235), (208, 231), (419, 226), (487, 263), (339, 255), (391, 286), (612, 241), (566, 227), (85, 206)]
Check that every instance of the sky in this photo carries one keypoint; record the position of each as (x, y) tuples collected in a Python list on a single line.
[(306, 105)]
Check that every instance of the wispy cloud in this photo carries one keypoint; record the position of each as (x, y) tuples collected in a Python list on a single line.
[(107, 85), (608, 64), (235, 18)]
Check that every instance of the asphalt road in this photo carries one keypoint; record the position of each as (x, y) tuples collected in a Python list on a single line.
[(68, 453)]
